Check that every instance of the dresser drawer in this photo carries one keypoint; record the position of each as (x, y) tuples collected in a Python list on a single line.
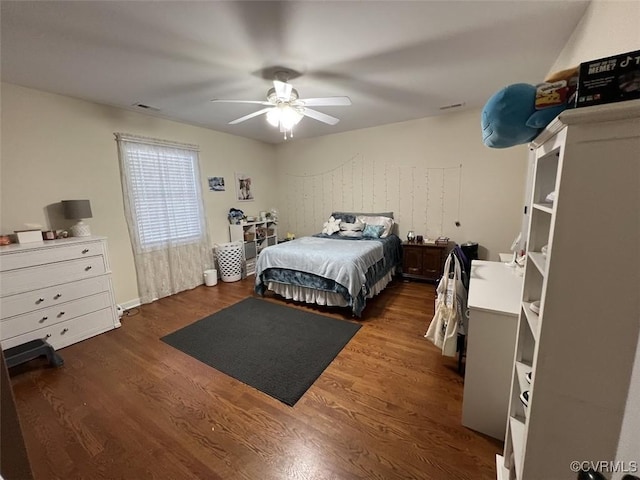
[(42, 256), (46, 297), (65, 333), (17, 281), (13, 326)]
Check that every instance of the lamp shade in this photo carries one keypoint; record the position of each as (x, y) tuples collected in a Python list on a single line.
[(76, 209)]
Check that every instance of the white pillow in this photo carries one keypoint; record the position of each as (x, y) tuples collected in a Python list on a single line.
[(351, 233), (352, 227), (386, 222), (331, 226)]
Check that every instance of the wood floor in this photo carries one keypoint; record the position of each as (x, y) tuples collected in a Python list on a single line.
[(127, 406)]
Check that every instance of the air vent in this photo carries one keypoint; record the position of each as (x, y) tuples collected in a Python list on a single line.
[(146, 107), (453, 105)]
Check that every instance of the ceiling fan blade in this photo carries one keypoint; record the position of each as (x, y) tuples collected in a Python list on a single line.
[(283, 90), (325, 101), (321, 117), (256, 102), (251, 115)]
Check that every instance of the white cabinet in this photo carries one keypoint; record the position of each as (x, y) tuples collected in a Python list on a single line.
[(255, 236), (580, 347), (494, 304), (59, 291)]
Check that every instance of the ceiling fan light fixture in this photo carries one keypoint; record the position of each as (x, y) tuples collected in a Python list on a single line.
[(289, 117), (273, 117), (285, 117), (284, 108)]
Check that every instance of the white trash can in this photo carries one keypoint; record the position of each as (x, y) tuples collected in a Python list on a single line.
[(210, 277), (229, 257)]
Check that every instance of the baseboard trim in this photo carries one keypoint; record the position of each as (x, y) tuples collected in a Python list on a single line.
[(131, 304)]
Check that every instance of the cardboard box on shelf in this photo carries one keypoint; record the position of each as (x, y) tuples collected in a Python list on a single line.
[(609, 79)]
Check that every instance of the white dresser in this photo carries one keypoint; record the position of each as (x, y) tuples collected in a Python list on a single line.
[(59, 291)]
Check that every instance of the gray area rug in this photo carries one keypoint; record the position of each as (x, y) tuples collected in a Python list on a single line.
[(276, 349)]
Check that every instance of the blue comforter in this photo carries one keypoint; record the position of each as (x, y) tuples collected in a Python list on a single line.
[(333, 263)]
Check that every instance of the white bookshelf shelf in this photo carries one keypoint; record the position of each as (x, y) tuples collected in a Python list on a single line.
[(532, 319), (539, 261), (544, 207)]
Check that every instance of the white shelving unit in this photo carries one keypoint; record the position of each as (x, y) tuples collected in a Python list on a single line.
[(255, 237), (581, 346)]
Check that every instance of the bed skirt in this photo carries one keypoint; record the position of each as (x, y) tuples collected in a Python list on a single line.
[(322, 297)]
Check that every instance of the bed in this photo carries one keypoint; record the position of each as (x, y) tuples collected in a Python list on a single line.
[(334, 269)]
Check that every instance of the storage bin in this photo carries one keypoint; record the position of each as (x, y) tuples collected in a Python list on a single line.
[(229, 257), (210, 277)]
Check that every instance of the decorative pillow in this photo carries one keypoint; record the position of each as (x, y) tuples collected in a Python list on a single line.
[(351, 233), (386, 222), (351, 216), (373, 231), (331, 226), (353, 227)]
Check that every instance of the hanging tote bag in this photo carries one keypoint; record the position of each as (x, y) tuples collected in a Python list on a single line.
[(443, 329)]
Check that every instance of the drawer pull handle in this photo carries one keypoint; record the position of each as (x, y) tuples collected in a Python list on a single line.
[(40, 300), (86, 250), (48, 335), (57, 296), (87, 268), (61, 314), (44, 319), (65, 330)]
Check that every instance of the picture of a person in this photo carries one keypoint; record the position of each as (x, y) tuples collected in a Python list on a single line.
[(244, 188)]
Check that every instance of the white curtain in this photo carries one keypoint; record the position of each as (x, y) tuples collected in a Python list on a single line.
[(165, 215)]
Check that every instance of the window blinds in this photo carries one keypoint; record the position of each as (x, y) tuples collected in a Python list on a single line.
[(163, 192)]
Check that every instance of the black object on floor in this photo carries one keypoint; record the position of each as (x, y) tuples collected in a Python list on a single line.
[(30, 350), (276, 349)]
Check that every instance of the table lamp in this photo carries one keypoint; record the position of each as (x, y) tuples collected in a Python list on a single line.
[(77, 210)]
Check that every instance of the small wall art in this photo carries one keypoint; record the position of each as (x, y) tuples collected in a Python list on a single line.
[(216, 184), (244, 192)]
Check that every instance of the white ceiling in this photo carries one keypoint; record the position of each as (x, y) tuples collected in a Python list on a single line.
[(396, 60)]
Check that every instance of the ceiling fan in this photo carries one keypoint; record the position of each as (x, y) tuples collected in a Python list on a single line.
[(284, 108)]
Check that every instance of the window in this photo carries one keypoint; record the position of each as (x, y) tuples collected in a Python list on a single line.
[(165, 215), (163, 192)]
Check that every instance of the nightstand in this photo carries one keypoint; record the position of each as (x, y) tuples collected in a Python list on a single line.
[(422, 261)]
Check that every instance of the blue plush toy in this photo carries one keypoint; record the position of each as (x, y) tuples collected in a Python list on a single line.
[(510, 117)]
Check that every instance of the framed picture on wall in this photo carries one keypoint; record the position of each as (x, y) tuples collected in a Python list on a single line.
[(244, 191), (216, 184)]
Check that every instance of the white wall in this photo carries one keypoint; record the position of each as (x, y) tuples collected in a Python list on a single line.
[(56, 148), (413, 169), (608, 27)]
